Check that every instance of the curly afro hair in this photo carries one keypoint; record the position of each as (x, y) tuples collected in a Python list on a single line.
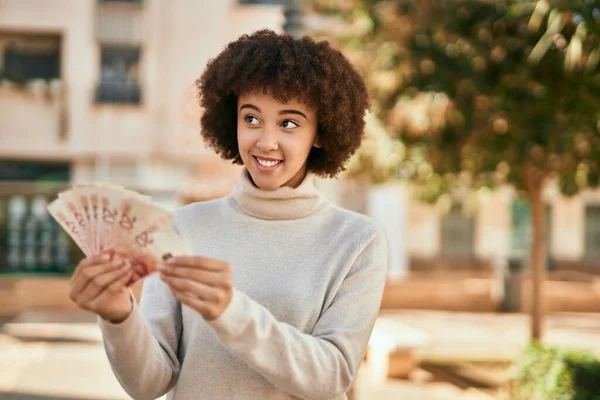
[(313, 72)]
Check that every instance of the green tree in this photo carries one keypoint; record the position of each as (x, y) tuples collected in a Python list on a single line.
[(482, 93)]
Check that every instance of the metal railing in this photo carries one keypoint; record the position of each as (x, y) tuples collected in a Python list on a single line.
[(119, 92), (257, 2)]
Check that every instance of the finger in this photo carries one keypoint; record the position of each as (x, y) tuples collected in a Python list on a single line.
[(211, 278), (113, 288), (199, 305), (84, 275), (94, 260), (89, 273), (197, 262), (89, 261), (197, 289), (101, 282), (120, 283), (134, 278)]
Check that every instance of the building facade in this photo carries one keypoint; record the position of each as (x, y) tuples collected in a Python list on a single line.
[(103, 90), (500, 229), (496, 229)]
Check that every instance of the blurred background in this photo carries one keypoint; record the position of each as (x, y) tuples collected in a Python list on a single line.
[(480, 160)]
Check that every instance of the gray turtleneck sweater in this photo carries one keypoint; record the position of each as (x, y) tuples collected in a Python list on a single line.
[(308, 280)]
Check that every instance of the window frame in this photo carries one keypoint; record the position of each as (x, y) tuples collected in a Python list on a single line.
[(470, 222), (25, 44), (262, 2), (123, 90), (587, 254)]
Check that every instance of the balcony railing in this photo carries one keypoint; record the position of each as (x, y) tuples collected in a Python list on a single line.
[(35, 118), (258, 2), (119, 92)]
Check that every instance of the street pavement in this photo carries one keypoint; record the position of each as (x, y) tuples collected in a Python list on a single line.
[(48, 355)]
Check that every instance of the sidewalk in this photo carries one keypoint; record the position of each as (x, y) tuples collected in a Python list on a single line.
[(485, 337), (48, 356), (59, 355)]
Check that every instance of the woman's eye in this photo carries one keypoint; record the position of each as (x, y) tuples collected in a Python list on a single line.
[(251, 119), (289, 124)]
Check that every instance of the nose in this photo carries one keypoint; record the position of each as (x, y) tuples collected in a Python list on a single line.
[(267, 141)]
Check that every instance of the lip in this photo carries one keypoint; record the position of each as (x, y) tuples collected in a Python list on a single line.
[(267, 158), (262, 168)]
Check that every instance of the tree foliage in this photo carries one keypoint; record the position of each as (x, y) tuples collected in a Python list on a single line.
[(481, 92)]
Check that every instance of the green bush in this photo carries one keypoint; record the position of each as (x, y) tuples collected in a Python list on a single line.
[(550, 373)]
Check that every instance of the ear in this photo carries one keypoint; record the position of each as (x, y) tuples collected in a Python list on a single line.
[(317, 143)]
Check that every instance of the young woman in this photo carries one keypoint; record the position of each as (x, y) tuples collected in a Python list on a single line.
[(280, 298)]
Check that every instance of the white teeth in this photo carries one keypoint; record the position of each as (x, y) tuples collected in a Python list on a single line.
[(267, 163)]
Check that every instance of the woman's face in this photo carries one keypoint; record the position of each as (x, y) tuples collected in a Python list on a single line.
[(274, 139)]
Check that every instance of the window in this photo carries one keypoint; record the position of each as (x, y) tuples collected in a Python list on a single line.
[(28, 57), (34, 171), (522, 228), (30, 240), (592, 233), (119, 75), (458, 234), (263, 1)]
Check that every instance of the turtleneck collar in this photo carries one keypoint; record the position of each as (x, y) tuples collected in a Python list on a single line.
[(279, 204)]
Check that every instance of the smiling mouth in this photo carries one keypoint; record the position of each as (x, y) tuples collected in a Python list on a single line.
[(263, 162)]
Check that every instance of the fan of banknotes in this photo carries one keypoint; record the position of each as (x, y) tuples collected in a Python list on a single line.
[(109, 218)]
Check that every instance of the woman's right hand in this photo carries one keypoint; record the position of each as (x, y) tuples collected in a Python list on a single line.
[(99, 285)]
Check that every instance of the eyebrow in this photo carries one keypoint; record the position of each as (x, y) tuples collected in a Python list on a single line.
[(252, 106)]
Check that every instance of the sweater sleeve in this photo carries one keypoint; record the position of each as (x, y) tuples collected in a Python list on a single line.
[(323, 364), (142, 350)]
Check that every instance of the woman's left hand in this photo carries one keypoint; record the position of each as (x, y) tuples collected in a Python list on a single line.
[(201, 283)]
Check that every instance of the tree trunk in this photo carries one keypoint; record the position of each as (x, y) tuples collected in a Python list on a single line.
[(537, 256)]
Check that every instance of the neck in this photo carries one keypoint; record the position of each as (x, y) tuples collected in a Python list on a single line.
[(279, 204)]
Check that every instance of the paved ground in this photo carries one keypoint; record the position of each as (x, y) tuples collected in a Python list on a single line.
[(493, 336), (47, 356), (51, 356)]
